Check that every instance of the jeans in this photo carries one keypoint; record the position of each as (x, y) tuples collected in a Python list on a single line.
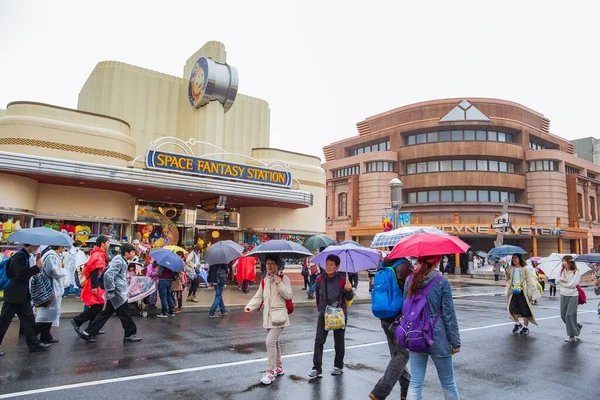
[(339, 345), (218, 302), (68, 290), (164, 290), (396, 370), (313, 284), (445, 371), (353, 278)]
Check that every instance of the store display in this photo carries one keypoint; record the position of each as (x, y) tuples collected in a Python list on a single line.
[(82, 233)]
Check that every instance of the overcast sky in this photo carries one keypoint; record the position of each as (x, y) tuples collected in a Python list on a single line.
[(322, 65)]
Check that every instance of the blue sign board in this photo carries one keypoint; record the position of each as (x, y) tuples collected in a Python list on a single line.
[(182, 163)]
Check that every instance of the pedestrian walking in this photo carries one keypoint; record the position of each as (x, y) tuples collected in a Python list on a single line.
[(332, 289), (17, 299), (541, 275), (305, 273), (569, 297), (353, 278), (219, 282), (518, 292), (396, 371), (272, 294), (246, 270), (49, 315), (152, 272), (74, 259), (314, 273), (165, 289), (446, 335), (91, 294), (497, 267), (192, 266), (177, 291), (115, 284)]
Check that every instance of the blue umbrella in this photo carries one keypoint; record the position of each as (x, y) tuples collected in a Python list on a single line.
[(282, 248), (352, 242), (317, 242), (41, 236), (166, 258), (588, 258), (223, 252), (352, 258), (506, 250)]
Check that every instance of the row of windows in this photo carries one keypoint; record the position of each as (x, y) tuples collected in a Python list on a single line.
[(339, 173), (543, 165), (536, 146), (481, 196), (383, 146), (448, 136), (571, 170), (460, 165), (381, 166)]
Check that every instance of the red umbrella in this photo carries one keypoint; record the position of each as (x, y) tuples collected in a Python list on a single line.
[(428, 244)]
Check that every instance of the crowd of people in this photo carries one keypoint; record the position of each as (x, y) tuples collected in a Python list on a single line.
[(104, 284)]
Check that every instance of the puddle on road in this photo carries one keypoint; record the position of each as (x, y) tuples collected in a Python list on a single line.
[(252, 387), (362, 367), (297, 378)]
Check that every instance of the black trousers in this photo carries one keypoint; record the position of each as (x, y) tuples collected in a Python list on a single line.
[(43, 329), (25, 314), (396, 371), (306, 281), (321, 338), (123, 314), (193, 287), (88, 315)]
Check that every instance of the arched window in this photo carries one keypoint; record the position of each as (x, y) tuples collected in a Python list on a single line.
[(592, 208), (342, 204), (579, 205)]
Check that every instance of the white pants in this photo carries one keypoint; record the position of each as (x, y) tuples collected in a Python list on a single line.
[(273, 348)]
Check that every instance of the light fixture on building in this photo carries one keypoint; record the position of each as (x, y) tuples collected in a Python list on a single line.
[(396, 198)]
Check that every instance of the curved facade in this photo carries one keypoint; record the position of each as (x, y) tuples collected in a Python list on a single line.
[(138, 158), (463, 163)]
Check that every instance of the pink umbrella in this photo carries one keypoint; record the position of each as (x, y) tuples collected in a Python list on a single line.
[(428, 244)]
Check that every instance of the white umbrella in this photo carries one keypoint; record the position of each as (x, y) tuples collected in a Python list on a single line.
[(552, 265), (391, 238)]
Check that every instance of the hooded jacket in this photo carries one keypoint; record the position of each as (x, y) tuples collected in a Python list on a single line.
[(93, 269)]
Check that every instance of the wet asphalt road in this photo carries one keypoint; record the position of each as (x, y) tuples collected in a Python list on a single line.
[(197, 358)]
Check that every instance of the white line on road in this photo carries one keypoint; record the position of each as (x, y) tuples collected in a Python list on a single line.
[(217, 366), (461, 296)]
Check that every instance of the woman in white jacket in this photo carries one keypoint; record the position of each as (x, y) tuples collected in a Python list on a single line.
[(272, 294), (569, 297), (47, 317)]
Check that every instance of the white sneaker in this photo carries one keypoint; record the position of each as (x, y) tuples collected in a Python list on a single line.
[(569, 339), (268, 378), (279, 371)]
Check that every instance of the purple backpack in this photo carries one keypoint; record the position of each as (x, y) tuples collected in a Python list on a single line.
[(415, 329)]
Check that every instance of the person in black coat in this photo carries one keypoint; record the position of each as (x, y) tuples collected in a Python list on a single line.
[(17, 299)]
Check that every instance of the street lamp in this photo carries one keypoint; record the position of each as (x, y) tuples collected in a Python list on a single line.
[(396, 198)]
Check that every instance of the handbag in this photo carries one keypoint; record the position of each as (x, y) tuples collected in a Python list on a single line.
[(582, 296), (278, 315), (41, 291), (334, 316)]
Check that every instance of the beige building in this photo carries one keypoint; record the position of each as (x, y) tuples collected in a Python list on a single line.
[(460, 160), (167, 159)]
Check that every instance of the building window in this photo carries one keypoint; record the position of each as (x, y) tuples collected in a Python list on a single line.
[(471, 165), (593, 208), (536, 146), (432, 166), (411, 169), (456, 165), (457, 136), (342, 204), (579, 205), (342, 172), (590, 175), (381, 146), (480, 196), (571, 170), (543, 165), (446, 165), (384, 166)]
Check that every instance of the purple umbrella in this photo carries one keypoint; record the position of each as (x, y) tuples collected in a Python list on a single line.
[(353, 258)]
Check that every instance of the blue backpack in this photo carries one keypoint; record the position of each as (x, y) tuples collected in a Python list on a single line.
[(4, 281), (386, 296)]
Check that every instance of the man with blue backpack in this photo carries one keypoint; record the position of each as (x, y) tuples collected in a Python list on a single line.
[(386, 303)]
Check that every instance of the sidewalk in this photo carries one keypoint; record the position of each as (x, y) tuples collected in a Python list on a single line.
[(234, 300)]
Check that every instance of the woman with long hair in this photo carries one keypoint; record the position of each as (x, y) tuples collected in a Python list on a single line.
[(446, 335), (518, 292), (569, 297)]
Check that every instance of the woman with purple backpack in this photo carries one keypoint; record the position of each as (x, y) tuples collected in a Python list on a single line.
[(446, 337)]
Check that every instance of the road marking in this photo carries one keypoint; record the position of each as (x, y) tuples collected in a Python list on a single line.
[(223, 365), (460, 296), (503, 304)]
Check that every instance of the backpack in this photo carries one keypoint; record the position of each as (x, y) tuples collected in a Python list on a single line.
[(289, 304), (415, 329), (386, 296), (4, 280)]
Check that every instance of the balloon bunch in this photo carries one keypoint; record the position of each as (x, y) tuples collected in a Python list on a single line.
[(387, 224)]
